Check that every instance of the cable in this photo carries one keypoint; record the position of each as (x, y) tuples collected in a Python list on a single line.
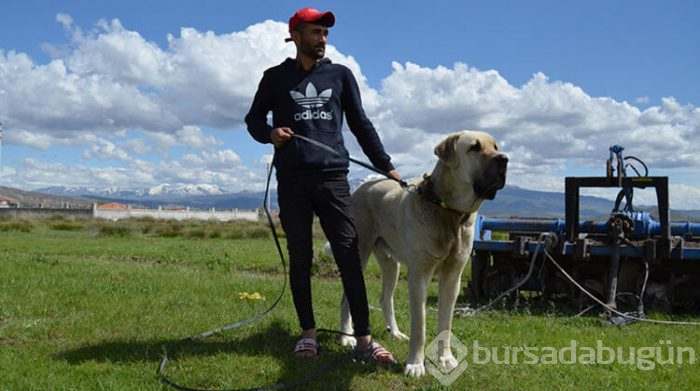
[(646, 169), (466, 311), (590, 307), (582, 289), (640, 306)]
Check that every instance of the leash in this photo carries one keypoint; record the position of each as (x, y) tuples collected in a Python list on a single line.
[(358, 162), (169, 349)]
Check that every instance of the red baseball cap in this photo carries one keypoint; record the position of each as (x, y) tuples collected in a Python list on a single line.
[(310, 15)]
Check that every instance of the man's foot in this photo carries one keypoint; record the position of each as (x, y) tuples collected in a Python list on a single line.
[(306, 348), (375, 353)]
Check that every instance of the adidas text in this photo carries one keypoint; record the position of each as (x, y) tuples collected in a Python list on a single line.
[(318, 114)]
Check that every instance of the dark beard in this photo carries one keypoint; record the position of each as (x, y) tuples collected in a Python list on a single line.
[(315, 52)]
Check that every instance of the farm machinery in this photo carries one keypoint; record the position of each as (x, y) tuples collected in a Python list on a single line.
[(628, 261)]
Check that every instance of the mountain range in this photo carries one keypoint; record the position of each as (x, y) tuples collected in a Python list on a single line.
[(510, 202), (162, 190), (202, 196)]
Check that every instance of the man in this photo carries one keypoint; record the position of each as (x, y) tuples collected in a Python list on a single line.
[(308, 96)]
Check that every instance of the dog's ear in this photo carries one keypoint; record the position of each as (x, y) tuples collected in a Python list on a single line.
[(447, 151)]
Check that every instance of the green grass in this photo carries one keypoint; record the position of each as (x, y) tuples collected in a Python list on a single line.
[(85, 309)]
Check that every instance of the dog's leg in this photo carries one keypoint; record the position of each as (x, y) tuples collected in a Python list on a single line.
[(417, 293), (346, 323), (448, 289), (390, 276)]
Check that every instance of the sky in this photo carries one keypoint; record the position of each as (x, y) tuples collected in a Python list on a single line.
[(135, 94)]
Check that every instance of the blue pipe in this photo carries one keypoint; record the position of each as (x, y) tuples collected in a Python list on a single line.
[(644, 226), (522, 225)]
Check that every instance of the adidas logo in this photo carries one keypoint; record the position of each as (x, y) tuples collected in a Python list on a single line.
[(312, 99)]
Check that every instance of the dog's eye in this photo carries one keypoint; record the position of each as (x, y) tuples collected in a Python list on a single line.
[(476, 147)]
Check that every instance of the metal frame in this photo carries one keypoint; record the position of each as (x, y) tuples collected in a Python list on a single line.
[(660, 184)]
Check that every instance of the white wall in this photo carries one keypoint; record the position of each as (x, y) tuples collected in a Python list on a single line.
[(118, 214)]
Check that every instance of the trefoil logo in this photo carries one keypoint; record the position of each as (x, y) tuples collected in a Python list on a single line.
[(312, 100)]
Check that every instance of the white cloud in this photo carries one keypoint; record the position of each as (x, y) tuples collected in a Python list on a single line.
[(684, 197), (7, 172), (137, 146), (37, 174), (642, 100), (265, 159), (681, 197), (106, 150), (51, 100), (192, 136), (223, 168), (110, 79), (121, 54), (541, 124)]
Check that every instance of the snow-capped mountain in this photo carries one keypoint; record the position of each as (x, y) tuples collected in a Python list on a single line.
[(185, 190), (162, 190)]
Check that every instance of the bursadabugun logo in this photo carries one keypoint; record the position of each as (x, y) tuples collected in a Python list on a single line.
[(446, 368), (446, 358)]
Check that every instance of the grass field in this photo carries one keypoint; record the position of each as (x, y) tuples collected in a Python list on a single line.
[(88, 305)]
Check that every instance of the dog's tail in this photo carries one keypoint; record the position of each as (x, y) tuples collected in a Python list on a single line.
[(381, 249), (327, 249)]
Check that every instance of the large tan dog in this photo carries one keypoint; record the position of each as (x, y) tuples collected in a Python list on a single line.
[(430, 230)]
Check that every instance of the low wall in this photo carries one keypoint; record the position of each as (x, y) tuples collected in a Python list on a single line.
[(28, 213), (119, 214)]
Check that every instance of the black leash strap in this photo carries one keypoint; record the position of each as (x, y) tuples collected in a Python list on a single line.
[(358, 162), (168, 350)]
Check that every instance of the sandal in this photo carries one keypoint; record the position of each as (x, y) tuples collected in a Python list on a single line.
[(306, 345), (376, 354)]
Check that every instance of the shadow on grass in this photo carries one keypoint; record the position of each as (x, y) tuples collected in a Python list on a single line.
[(273, 342)]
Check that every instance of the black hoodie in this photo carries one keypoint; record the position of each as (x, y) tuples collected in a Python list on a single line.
[(312, 104)]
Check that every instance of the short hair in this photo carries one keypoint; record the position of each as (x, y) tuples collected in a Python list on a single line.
[(299, 28)]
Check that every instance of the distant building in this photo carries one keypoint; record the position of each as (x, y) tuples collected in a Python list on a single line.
[(112, 205), (7, 202)]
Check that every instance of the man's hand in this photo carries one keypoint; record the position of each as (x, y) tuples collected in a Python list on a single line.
[(395, 174), (280, 136)]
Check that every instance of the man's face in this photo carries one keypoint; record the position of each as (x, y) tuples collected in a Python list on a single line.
[(312, 41)]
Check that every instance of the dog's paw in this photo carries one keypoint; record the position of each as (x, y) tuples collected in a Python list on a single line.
[(347, 340), (447, 363), (414, 370), (398, 335)]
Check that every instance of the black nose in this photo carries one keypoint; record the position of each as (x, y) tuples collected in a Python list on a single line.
[(502, 159)]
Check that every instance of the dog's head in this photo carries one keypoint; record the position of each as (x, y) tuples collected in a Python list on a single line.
[(476, 159)]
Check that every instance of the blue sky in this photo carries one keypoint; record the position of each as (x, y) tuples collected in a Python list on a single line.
[(134, 94)]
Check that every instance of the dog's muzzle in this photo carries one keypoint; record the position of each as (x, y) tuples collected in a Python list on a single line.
[(494, 178)]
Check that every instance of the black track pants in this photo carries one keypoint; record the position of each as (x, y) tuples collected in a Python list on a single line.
[(327, 195)]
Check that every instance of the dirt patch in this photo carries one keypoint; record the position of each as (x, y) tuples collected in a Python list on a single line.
[(6, 341)]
